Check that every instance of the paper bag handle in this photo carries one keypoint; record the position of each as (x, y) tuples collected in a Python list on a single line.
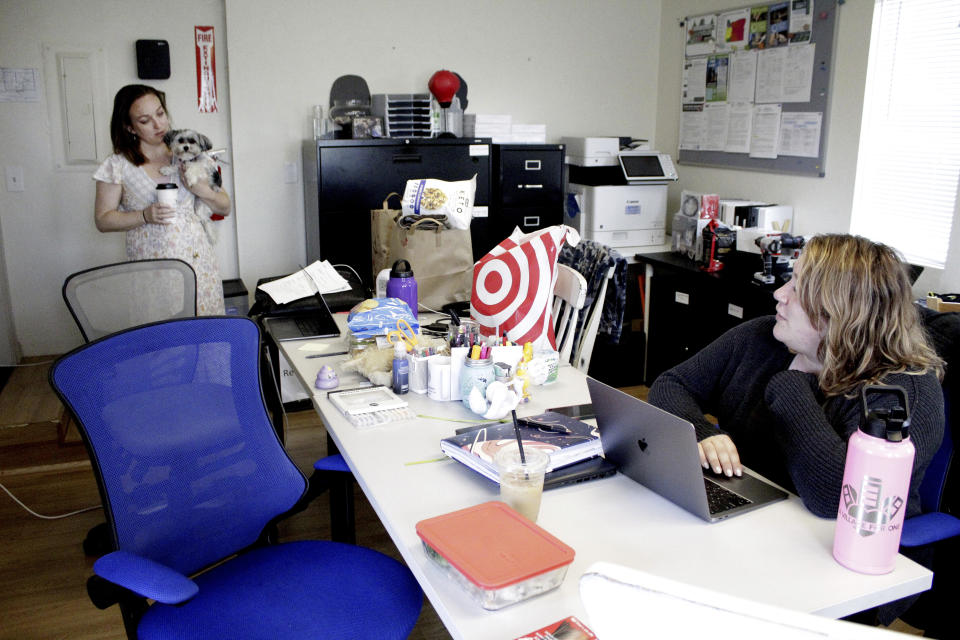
[(386, 201)]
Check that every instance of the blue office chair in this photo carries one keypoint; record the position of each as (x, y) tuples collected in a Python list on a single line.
[(935, 532), (934, 524), (193, 479), (938, 520)]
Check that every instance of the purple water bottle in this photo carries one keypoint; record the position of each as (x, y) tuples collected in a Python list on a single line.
[(402, 285), (876, 481)]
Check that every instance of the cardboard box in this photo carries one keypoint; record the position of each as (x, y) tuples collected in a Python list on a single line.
[(935, 303)]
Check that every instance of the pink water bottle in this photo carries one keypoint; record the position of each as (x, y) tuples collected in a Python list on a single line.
[(876, 481)]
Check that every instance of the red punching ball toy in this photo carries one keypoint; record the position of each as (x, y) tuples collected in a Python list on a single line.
[(444, 85)]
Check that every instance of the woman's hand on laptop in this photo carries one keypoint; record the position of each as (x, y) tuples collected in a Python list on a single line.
[(720, 454)]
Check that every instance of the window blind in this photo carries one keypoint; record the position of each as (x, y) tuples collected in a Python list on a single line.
[(909, 158)]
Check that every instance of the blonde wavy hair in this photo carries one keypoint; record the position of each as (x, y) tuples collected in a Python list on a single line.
[(858, 294)]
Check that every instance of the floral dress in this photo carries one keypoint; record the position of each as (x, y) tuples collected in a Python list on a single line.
[(184, 239)]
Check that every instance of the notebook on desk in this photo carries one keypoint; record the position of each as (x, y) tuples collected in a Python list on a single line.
[(659, 450), (312, 320)]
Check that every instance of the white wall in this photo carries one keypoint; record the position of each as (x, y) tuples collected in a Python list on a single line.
[(820, 204), (48, 229), (582, 68), (601, 67)]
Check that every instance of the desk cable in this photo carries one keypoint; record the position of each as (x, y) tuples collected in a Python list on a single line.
[(15, 498), (43, 517)]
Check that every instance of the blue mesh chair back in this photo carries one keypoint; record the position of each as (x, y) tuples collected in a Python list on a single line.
[(175, 424)]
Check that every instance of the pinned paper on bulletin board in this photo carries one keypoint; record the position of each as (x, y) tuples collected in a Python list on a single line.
[(206, 70)]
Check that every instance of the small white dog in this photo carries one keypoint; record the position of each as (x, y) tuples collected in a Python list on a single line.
[(189, 150)]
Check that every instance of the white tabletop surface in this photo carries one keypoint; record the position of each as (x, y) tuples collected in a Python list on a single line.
[(779, 555)]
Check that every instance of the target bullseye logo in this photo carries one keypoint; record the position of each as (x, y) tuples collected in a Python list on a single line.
[(513, 288)]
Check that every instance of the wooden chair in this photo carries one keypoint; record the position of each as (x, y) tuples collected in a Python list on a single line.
[(584, 349), (569, 295)]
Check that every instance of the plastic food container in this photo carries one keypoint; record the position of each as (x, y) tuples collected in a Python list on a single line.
[(496, 554)]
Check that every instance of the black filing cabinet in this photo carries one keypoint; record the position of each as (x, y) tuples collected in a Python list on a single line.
[(529, 187), (689, 308), (345, 179)]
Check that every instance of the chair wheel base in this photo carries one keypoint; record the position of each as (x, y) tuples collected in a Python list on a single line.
[(97, 542)]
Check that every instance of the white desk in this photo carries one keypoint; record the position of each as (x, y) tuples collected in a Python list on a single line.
[(778, 555)]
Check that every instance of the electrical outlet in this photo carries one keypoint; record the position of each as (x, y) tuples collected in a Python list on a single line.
[(14, 178), (290, 173)]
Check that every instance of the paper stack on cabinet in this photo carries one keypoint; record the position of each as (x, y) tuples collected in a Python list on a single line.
[(482, 125), (529, 133)]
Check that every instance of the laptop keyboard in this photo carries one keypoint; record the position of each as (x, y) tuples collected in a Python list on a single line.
[(308, 326), (721, 499)]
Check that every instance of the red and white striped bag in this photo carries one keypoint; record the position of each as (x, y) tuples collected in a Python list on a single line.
[(513, 286)]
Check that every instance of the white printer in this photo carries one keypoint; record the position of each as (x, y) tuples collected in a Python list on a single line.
[(620, 196)]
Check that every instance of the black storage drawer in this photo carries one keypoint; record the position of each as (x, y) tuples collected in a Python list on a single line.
[(345, 179), (530, 175), (527, 218), (690, 308)]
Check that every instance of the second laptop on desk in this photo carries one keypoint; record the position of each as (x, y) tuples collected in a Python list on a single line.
[(306, 318), (659, 451)]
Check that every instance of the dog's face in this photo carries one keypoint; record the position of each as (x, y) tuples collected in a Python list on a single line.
[(187, 144)]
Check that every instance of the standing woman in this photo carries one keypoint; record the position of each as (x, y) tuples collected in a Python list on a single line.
[(126, 198)]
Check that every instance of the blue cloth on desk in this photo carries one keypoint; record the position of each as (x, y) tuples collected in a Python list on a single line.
[(593, 260)]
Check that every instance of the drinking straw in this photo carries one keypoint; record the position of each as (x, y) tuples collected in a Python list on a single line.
[(516, 429)]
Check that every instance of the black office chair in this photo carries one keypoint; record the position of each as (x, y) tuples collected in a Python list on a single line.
[(193, 479), (121, 295)]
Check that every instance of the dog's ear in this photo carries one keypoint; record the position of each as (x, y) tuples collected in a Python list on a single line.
[(169, 136), (204, 141)]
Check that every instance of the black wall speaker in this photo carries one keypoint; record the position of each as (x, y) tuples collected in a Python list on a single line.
[(153, 59)]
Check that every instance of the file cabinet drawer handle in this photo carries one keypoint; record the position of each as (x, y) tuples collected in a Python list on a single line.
[(531, 165), (531, 221)]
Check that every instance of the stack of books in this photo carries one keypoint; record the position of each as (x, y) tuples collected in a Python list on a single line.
[(567, 441)]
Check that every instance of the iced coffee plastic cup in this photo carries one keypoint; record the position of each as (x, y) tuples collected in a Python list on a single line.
[(521, 483)]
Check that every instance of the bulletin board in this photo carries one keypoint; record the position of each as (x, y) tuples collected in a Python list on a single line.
[(756, 87)]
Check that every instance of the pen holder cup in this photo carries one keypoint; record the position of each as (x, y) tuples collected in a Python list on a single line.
[(419, 373), (466, 334), (457, 356)]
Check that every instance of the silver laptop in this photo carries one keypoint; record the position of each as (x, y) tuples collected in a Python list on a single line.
[(659, 451)]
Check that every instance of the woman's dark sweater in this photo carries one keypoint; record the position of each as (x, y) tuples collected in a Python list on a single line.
[(783, 426)]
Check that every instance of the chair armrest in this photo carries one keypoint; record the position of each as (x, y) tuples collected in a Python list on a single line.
[(145, 577), (929, 527)]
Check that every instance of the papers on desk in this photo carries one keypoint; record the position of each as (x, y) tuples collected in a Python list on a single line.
[(318, 277), (619, 598)]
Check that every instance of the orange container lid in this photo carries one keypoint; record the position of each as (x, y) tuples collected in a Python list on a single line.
[(493, 545)]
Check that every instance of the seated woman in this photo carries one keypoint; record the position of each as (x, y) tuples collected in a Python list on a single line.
[(786, 389)]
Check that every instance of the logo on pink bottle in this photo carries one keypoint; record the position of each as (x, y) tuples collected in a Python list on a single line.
[(869, 511)]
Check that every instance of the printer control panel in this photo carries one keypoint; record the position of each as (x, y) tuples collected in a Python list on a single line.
[(647, 166)]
